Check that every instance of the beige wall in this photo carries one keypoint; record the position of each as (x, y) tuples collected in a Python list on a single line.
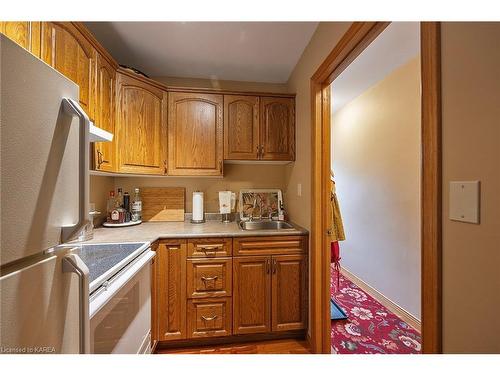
[(100, 186), (322, 42), (471, 151), (376, 160), (236, 177)]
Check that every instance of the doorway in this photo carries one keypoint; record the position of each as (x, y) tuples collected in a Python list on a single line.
[(375, 156), (357, 39)]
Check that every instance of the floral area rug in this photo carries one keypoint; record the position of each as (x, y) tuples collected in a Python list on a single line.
[(370, 327)]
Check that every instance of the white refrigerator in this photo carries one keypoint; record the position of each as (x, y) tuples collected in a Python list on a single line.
[(44, 138)]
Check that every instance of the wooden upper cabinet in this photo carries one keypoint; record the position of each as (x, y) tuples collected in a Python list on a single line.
[(277, 128), (241, 127), (251, 294), (140, 130), (289, 292), (24, 33), (195, 139), (64, 48), (104, 153)]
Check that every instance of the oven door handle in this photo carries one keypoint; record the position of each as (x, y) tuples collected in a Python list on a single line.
[(73, 264)]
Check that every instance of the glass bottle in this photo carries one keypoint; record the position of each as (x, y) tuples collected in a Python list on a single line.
[(136, 206)]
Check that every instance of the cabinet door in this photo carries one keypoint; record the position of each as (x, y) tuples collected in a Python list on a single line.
[(195, 134), (171, 290), (277, 126), (24, 33), (241, 127), (251, 294), (289, 302), (104, 156), (65, 49), (140, 128)]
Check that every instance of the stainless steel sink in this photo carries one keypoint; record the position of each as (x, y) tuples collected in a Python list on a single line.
[(265, 225)]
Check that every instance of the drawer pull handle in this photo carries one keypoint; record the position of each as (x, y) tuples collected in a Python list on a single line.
[(211, 247), (173, 248), (212, 278), (208, 319)]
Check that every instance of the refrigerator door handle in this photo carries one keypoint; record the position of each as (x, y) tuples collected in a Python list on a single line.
[(72, 108), (73, 264)]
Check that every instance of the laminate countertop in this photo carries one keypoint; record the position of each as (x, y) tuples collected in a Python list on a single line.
[(152, 231)]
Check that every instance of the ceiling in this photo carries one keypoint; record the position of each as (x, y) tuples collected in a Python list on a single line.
[(396, 45), (239, 51)]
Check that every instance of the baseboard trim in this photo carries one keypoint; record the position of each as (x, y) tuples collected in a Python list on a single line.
[(386, 302)]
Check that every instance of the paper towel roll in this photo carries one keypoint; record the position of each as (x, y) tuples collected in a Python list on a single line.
[(198, 206)]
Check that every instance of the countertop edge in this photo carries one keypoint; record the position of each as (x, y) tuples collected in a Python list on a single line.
[(151, 238)]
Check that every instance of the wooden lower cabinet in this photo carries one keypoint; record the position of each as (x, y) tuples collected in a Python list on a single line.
[(269, 293), (201, 291), (251, 294), (289, 293), (171, 290)]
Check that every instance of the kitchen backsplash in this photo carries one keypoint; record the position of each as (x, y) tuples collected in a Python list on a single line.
[(236, 177)]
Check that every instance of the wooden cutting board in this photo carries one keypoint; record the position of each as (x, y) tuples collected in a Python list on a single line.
[(163, 204)]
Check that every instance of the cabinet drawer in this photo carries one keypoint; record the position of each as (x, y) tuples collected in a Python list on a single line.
[(210, 247), (209, 317), (270, 245), (209, 277)]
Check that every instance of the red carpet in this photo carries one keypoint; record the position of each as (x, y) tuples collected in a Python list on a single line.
[(370, 328)]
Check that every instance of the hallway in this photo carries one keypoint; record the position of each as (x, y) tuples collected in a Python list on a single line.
[(370, 328)]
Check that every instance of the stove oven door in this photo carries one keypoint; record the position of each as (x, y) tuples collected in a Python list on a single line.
[(120, 311)]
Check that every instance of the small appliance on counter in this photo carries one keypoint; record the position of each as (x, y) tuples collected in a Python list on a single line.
[(227, 202), (198, 211)]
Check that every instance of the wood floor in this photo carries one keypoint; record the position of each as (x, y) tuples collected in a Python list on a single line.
[(284, 346)]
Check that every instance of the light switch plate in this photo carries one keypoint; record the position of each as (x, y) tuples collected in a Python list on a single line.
[(464, 201)]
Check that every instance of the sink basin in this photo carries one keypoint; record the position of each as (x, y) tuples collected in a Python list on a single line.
[(265, 225)]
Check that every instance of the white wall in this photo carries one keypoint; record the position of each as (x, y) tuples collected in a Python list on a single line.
[(376, 161)]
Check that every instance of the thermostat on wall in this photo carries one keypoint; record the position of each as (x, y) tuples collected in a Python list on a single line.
[(464, 201)]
